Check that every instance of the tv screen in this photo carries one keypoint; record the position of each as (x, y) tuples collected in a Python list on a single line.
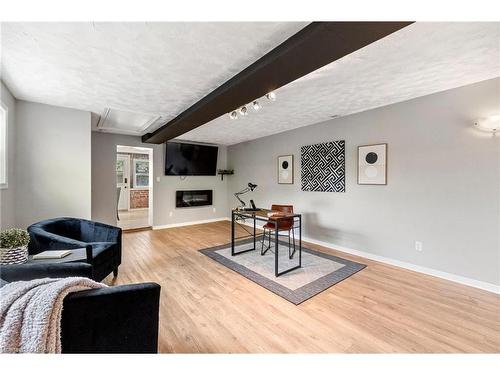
[(187, 159)]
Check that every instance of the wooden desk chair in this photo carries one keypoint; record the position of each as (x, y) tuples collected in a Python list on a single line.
[(284, 225)]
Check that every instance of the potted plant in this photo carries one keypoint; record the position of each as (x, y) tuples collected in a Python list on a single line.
[(14, 246)]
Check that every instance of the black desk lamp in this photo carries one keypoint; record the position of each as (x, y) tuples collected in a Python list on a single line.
[(250, 187)]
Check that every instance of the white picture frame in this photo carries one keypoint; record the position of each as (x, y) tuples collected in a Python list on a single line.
[(285, 169), (372, 164)]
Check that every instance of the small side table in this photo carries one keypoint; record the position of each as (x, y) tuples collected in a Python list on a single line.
[(77, 255)]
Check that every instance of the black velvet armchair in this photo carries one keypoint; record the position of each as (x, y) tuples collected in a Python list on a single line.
[(118, 319), (103, 242)]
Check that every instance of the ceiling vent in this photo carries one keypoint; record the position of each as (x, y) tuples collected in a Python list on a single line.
[(125, 122)]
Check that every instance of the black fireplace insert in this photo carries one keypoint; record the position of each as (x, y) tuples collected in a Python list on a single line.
[(193, 198)]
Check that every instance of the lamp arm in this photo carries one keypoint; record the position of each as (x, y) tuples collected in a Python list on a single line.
[(237, 195), (245, 190), (243, 204)]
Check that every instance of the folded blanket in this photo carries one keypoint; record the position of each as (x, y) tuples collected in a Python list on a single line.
[(30, 313)]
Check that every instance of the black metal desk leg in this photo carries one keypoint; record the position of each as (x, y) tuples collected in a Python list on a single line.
[(300, 241), (235, 216), (254, 231), (232, 232), (276, 223)]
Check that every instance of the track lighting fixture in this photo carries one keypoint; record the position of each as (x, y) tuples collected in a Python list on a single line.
[(271, 96), (243, 111)]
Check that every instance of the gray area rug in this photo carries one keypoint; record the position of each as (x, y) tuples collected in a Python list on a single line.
[(319, 271)]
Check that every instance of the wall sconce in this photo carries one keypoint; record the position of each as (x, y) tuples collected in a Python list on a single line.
[(489, 124)]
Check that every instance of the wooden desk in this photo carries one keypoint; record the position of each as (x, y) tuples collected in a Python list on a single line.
[(262, 215)]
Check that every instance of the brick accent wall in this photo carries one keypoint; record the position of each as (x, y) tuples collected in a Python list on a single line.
[(139, 198)]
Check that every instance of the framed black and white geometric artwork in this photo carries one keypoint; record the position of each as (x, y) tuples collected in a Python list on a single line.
[(285, 169), (372, 164), (323, 167)]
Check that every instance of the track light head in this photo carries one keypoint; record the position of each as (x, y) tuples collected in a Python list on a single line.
[(271, 96), (233, 115), (256, 105), (243, 111)]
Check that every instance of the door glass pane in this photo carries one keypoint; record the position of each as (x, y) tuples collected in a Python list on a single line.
[(142, 180), (119, 177), (142, 166), (119, 165), (119, 171)]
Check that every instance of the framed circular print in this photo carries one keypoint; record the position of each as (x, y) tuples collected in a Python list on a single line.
[(372, 164), (285, 169)]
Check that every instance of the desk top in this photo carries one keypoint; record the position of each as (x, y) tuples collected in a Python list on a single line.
[(263, 213)]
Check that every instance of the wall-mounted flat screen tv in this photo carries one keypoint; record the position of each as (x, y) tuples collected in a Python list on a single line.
[(188, 159)]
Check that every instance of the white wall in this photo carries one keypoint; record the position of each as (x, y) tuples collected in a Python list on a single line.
[(7, 195), (104, 184), (53, 163), (443, 182), (443, 178)]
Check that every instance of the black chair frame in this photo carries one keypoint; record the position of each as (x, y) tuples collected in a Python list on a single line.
[(269, 232)]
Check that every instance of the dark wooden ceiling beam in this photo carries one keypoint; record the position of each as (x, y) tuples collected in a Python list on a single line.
[(316, 45)]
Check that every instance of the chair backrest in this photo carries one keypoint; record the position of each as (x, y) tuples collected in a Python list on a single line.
[(118, 319), (68, 227), (287, 209)]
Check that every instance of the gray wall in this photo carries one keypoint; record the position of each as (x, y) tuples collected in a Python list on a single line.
[(104, 184), (443, 182), (52, 167), (7, 195)]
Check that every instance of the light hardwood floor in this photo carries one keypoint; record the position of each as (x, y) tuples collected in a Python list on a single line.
[(133, 219), (207, 308)]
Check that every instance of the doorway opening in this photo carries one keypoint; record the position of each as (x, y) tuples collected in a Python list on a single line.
[(134, 187)]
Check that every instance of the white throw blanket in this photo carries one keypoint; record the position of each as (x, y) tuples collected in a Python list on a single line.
[(30, 313)]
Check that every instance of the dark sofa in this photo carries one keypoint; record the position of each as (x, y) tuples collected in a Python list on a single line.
[(119, 319), (104, 242)]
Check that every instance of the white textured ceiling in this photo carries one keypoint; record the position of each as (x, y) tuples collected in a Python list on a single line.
[(154, 69), (418, 60), (160, 69)]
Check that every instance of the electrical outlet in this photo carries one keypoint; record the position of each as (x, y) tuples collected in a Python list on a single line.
[(214, 209), (157, 178), (170, 214), (419, 246)]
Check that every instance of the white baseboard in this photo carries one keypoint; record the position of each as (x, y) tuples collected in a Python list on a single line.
[(409, 266), (186, 223)]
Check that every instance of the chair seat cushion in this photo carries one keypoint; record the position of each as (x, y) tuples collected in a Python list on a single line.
[(282, 226)]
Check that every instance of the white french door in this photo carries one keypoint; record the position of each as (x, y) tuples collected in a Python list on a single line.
[(123, 180)]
